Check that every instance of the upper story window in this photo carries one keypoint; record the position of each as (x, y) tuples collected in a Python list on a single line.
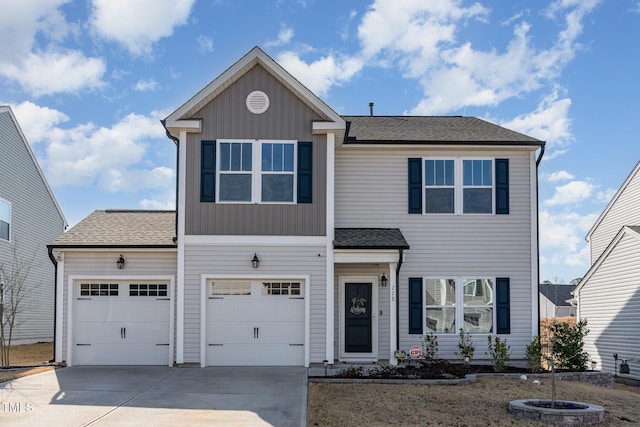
[(260, 171), (5, 220), (458, 186)]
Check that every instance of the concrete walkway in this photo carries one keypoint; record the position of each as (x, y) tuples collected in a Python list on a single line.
[(156, 396)]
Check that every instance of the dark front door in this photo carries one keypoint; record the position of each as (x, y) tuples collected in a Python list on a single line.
[(357, 324)]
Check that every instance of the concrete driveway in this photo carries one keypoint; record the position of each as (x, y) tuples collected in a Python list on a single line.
[(156, 396)]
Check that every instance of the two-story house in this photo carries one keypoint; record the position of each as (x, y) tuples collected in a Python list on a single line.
[(30, 218), (609, 294), (302, 235)]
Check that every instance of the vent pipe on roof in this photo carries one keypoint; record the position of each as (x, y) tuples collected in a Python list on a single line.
[(371, 108)]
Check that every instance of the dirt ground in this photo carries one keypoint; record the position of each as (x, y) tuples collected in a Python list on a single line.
[(480, 404), (27, 355)]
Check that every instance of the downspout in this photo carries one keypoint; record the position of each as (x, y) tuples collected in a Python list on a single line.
[(55, 293), (400, 257), (177, 142), (538, 160)]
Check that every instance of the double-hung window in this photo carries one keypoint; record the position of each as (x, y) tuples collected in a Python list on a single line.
[(5, 220), (454, 303), (458, 186), (260, 171)]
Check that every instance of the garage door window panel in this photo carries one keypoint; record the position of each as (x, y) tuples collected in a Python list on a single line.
[(230, 288), (281, 288), (99, 289), (150, 290)]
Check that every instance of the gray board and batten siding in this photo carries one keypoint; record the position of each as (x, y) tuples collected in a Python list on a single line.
[(35, 221), (288, 118)]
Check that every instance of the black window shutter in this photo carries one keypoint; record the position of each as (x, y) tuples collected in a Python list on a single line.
[(305, 172), (208, 171), (415, 305), (415, 186), (502, 186), (503, 306)]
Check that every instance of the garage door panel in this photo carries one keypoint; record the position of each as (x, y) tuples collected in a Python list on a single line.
[(261, 328), (123, 328)]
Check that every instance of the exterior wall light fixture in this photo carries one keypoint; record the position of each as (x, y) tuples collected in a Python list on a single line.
[(383, 280), (120, 262), (255, 261)]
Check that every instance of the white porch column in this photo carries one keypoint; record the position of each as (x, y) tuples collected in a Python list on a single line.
[(393, 335), (329, 301), (59, 305)]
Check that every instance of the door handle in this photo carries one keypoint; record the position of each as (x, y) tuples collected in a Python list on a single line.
[(257, 332), (121, 333), (125, 333)]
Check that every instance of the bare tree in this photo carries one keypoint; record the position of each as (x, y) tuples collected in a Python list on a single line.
[(14, 292)]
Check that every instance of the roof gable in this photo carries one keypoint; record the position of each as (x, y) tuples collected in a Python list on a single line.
[(4, 109), (633, 231), (228, 77), (634, 173)]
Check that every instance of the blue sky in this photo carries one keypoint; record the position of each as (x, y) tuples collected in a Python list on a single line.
[(89, 81)]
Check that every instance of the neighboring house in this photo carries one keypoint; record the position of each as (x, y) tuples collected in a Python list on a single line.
[(304, 236), (556, 301), (30, 218), (609, 295)]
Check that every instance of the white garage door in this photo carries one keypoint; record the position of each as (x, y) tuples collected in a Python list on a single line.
[(258, 323), (121, 323)]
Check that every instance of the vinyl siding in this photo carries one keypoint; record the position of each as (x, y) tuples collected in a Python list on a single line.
[(35, 222), (236, 260), (371, 191), (103, 264), (288, 118), (613, 326), (625, 211)]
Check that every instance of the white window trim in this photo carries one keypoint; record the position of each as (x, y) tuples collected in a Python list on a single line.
[(458, 187), (459, 305), (256, 171), (10, 219)]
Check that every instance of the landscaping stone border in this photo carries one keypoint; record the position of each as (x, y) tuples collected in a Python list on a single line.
[(589, 414)]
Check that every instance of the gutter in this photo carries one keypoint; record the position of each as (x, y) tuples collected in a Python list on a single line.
[(55, 305), (177, 142), (400, 257), (538, 160)]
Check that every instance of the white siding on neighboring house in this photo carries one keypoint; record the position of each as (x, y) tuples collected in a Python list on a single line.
[(102, 263), (235, 260), (624, 209), (613, 321), (35, 221), (549, 310), (371, 191)]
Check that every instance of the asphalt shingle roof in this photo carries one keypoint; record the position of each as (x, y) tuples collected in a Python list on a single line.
[(431, 129), (121, 228), (557, 294), (369, 238)]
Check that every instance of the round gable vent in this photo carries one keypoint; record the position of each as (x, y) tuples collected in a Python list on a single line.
[(257, 102)]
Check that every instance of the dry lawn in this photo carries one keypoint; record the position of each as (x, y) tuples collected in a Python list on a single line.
[(482, 403), (27, 355)]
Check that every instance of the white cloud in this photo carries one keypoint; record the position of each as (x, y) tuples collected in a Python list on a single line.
[(557, 176), (115, 180), (320, 75), (284, 37), (562, 238), (38, 64), (138, 24), (205, 43), (606, 195), (36, 122), (145, 85), (570, 193)]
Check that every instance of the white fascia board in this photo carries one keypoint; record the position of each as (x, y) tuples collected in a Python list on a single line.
[(350, 256), (436, 146), (178, 126), (325, 127), (62, 249), (232, 240)]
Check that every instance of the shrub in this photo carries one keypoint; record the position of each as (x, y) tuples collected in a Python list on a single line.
[(430, 347), (534, 354), (465, 345), (499, 351), (567, 345)]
